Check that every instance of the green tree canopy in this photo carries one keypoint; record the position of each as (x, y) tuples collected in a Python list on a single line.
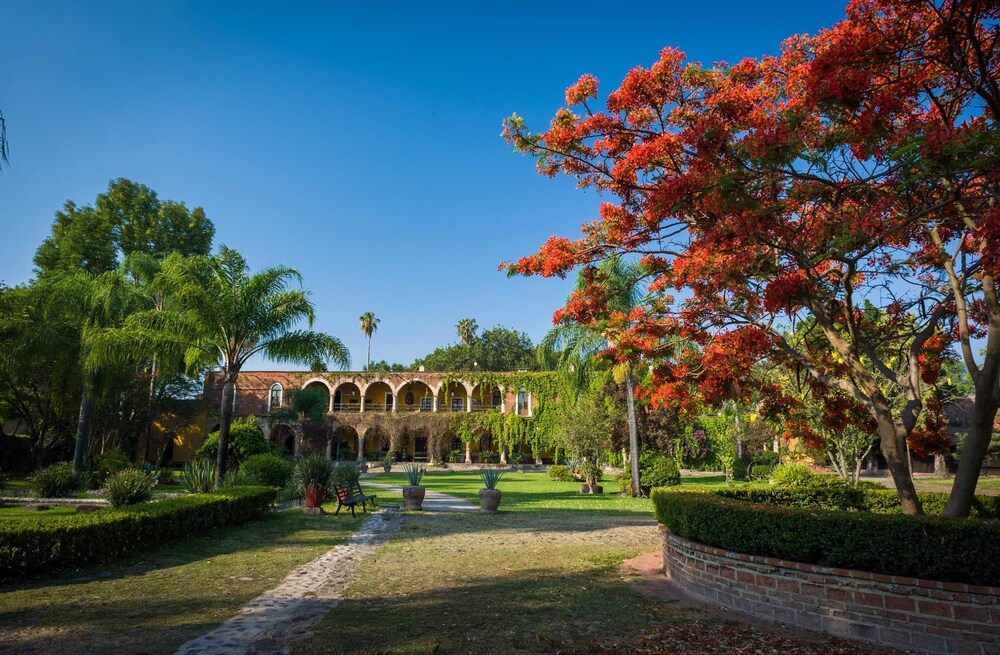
[(496, 349)]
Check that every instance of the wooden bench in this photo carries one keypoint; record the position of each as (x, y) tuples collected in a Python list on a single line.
[(347, 498)]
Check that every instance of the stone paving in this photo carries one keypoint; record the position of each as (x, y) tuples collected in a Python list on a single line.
[(268, 623), (434, 501)]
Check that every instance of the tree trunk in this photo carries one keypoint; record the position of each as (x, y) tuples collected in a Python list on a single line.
[(977, 441), (82, 430), (225, 421), (368, 363), (633, 434), (150, 410), (893, 446), (940, 466), (361, 445)]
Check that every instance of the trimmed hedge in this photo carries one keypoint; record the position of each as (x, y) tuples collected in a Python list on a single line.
[(31, 545), (935, 548), (860, 499)]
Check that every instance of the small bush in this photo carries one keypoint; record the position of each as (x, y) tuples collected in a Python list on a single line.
[(236, 477), (55, 481), (624, 481), (345, 473), (489, 457), (923, 546), (792, 475), (660, 472), (198, 477), (268, 470), (30, 545), (128, 487), (765, 457), (246, 439), (456, 456), (4, 479), (107, 464), (560, 473)]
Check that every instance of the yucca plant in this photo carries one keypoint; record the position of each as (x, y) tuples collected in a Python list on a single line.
[(314, 470), (199, 476), (490, 477), (414, 473), (128, 487)]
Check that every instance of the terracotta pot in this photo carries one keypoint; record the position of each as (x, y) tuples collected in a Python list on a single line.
[(489, 500), (314, 496), (413, 497)]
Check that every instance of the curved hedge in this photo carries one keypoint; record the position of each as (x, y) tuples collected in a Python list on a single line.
[(949, 550), (45, 543)]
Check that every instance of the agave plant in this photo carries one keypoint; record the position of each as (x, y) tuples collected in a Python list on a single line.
[(490, 477), (313, 470), (414, 473), (199, 476)]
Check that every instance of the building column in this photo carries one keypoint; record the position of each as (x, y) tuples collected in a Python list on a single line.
[(529, 404), (361, 438), (395, 402), (434, 404), (468, 452), (503, 400), (468, 403), (362, 402)]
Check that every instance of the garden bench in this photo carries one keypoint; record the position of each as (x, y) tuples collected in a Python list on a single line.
[(358, 493), (347, 498)]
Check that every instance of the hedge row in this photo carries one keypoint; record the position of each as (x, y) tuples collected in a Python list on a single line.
[(861, 499), (948, 550), (45, 543)]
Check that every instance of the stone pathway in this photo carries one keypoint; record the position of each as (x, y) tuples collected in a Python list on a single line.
[(434, 501), (266, 624)]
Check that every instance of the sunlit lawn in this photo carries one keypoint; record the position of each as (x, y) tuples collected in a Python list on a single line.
[(990, 483)]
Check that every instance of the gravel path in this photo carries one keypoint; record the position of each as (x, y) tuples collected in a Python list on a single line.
[(266, 624)]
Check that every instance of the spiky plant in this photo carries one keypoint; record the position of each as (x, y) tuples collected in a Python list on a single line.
[(490, 477), (414, 473)]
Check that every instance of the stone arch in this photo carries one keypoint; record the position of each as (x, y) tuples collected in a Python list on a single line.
[(344, 441), (378, 396), (346, 397), (487, 397), (318, 383), (453, 397), (414, 395)]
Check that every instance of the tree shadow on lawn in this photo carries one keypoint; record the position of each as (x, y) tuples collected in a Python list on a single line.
[(272, 530)]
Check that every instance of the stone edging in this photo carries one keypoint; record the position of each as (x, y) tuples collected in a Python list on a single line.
[(925, 616)]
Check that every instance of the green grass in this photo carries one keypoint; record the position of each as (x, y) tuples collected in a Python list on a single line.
[(984, 483), (17, 513), (536, 492), (155, 601)]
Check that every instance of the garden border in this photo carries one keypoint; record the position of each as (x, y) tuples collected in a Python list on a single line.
[(901, 612)]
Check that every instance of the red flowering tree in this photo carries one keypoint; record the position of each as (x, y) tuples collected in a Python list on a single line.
[(858, 167)]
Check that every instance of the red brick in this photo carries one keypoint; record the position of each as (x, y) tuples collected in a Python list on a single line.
[(872, 600), (814, 590), (743, 576), (836, 593), (971, 613), (899, 603), (934, 608)]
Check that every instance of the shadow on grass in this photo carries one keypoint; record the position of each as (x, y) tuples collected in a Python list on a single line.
[(274, 528)]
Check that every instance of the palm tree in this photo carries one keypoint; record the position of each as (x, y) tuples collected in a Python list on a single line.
[(577, 345), (369, 326), (225, 314), (466, 329)]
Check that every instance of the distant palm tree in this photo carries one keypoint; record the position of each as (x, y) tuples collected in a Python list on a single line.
[(369, 326), (466, 330), (225, 314)]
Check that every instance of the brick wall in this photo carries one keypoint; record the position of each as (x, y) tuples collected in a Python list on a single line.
[(907, 613)]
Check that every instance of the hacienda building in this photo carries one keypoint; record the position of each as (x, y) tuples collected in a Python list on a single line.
[(373, 412)]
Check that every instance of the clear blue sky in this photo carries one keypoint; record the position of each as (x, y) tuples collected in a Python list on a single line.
[(359, 144)]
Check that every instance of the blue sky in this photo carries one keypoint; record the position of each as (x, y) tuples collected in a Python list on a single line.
[(359, 144)]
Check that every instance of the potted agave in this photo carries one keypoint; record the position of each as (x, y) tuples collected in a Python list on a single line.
[(413, 494), (489, 498), (387, 462), (313, 475)]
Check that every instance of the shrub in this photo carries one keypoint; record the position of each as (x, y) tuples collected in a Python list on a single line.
[(55, 481), (660, 472), (313, 470), (4, 479), (766, 457), (198, 476), (456, 456), (128, 487), (489, 457), (624, 481), (346, 473), (927, 547), (267, 470), (236, 477), (41, 544), (560, 473), (108, 463), (792, 475), (246, 439)]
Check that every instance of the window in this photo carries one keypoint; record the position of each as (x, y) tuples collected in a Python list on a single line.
[(275, 398), (497, 398), (409, 397), (523, 401), (457, 403)]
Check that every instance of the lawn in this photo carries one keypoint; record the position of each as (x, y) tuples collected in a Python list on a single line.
[(17, 513), (535, 492), (985, 484), (542, 576), (154, 601)]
